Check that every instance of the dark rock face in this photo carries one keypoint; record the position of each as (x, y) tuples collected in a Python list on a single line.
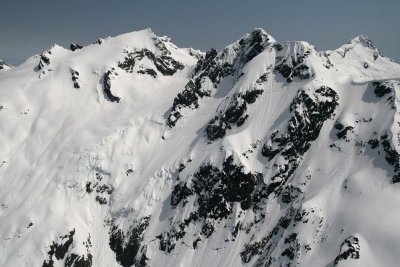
[(159, 42), (78, 261), (167, 65), (44, 60), (298, 69), (293, 246), (75, 79), (382, 89), (164, 64), (215, 190), (207, 63), (278, 47), (233, 116), (150, 72), (128, 247), (215, 67), (107, 86), (290, 193), (392, 157), (385, 90), (74, 47), (251, 96), (350, 248), (103, 190), (256, 44), (188, 98), (101, 200), (180, 193), (99, 41), (3, 65), (343, 130), (177, 231), (374, 143), (269, 243), (309, 112), (294, 66), (59, 250)]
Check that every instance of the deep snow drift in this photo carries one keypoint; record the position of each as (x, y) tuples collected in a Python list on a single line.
[(134, 152)]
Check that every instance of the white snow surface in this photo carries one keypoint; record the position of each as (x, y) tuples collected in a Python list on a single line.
[(55, 138)]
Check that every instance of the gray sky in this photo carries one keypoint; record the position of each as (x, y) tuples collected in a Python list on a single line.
[(29, 27)]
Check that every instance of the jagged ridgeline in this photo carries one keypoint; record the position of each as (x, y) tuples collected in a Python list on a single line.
[(131, 151), (213, 68)]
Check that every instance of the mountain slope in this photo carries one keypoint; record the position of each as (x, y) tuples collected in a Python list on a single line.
[(133, 152)]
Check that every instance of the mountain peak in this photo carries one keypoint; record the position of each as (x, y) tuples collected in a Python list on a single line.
[(258, 31), (361, 39), (358, 45), (149, 30), (140, 35), (258, 35)]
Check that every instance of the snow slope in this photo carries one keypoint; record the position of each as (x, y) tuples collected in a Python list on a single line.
[(134, 152)]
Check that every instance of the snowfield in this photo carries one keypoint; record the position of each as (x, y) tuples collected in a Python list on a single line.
[(133, 152)]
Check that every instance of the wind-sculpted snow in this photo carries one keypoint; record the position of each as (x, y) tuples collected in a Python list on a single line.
[(131, 151)]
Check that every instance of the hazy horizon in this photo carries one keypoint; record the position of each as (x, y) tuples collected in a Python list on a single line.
[(28, 28)]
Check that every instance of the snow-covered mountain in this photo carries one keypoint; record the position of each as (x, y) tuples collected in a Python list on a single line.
[(134, 152), (3, 65)]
